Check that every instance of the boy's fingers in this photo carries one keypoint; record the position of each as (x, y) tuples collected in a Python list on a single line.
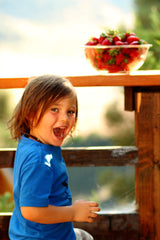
[(95, 210), (94, 215), (93, 204)]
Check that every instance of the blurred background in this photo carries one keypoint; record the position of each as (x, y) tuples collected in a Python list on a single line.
[(47, 37)]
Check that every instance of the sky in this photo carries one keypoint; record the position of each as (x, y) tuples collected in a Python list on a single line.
[(39, 36), (47, 37)]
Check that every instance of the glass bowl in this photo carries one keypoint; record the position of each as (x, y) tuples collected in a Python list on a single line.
[(114, 58)]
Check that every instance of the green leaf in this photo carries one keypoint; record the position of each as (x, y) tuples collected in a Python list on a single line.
[(103, 34), (125, 60), (114, 51), (112, 32), (111, 61), (157, 41)]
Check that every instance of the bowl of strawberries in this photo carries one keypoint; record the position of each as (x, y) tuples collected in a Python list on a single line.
[(114, 52)]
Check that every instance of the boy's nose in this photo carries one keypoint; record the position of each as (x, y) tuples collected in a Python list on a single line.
[(64, 117)]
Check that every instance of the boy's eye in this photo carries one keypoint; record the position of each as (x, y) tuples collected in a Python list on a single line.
[(54, 109), (71, 112)]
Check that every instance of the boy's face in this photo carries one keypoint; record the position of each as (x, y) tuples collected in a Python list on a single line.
[(57, 121)]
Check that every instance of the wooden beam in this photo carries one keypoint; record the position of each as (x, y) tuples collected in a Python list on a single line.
[(113, 226), (7, 157), (89, 156), (106, 226), (129, 99), (13, 82), (139, 78), (100, 156), (147, 137)]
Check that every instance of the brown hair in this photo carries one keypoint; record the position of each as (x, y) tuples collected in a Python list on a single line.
[(39, 94)]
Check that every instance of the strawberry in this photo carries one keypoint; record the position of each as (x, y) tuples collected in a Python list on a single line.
[(93, 41), (132, 38), (134, 53), (116, 38), (125, 43), (106, 56), (115, 59), (90, 43), (114, 68), (134, 43), (102, 37), (107, 41), (119, 43), (126, 51), (125, 35), (119, 58)]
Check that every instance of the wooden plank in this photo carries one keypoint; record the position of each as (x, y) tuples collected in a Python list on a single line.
[(106, 225), (90, 156), (113, 226), (7, 157), (4, 224), (13, 82), (100, 156), (138, 78), (129, 99), (6, 181), (147, 185)]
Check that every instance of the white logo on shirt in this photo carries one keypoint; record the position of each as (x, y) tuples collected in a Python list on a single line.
[(48, 158)]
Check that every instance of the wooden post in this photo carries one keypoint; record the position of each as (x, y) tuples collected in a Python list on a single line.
[(147, 139)]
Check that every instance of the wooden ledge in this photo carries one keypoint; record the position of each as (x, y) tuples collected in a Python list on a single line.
[(138, 78), (89, 156), (106, 226)]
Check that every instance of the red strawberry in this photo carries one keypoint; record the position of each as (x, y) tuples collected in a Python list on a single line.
[(127, 34), (116, 38), (132, 38), (126, 50), (106, 56), (106, 41), (131, 34), (134, 43), (93, 41), (125, 43), (114, 68), (134, 53), (119, 58), (102, 37), (118, 43), (90, 43)]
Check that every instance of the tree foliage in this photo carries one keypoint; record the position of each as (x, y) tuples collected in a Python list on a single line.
[(143, 11), (121, 124), (147, 26), (6, 202)]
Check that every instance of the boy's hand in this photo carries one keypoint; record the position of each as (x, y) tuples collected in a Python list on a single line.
[(85, 211)]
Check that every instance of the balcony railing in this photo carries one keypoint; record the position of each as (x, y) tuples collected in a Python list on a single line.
[(142, 95)]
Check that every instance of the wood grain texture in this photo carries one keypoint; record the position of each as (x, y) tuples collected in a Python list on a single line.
[(147, 185), (106, 226), (91, 156), (138, 78)]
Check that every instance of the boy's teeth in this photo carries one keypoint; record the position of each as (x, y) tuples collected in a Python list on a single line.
[(59, 132)]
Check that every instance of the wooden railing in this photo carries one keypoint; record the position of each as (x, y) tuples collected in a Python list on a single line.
[(142, 94)]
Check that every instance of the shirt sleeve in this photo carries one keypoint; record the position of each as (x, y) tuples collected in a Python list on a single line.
[(36, 184)]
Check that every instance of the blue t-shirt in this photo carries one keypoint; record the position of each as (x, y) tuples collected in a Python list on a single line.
[(40, 179)]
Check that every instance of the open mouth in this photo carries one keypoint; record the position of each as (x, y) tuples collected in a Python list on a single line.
[(59, 132)]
